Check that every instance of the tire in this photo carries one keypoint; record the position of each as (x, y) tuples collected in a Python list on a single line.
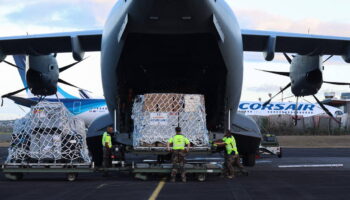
[(249, 160), (14, 176), (201, 177), (72, 177), (280, 154)]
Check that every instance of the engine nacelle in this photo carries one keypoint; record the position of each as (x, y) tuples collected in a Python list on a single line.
[(270, 48), (42, 75), (346, 56), (306, 75), (2, 56)]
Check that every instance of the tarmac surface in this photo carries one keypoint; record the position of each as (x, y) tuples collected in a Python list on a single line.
[(299, 174)]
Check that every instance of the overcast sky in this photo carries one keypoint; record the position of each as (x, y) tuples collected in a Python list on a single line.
[(18, 17)]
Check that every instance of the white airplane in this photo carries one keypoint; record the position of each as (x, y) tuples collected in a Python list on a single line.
[(285, 108)]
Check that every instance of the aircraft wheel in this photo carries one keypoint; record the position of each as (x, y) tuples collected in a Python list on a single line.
[(249, 160), (201, 177), (72, 177), (279, 154), (14, 176)]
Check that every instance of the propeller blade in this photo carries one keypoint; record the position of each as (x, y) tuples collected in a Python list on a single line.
[(69, 84), (336, 83), (70, 65), (286, 87), (325, 109), (274, 72), (66, 83), (13, 65), (288, 58), (286, 98), (11, 94), (296, 112), (327, 59)]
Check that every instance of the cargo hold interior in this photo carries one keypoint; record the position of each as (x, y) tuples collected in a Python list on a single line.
[(186, 63)]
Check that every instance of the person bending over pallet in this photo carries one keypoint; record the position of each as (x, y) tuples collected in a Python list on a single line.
[(231, 155), (178, 154)]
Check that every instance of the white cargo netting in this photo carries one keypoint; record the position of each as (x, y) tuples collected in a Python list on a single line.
[(49, 133), (157, 115)]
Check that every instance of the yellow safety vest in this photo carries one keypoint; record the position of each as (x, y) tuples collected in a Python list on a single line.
[(179, 142), (106, 138), (230, 145)]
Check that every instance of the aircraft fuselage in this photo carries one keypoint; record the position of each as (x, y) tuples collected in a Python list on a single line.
[(180, 46)]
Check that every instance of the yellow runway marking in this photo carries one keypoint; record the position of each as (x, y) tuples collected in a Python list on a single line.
[(157, 190)]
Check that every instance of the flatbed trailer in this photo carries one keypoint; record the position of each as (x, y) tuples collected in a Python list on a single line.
[(140, 170), (16, 171), (200, 169)]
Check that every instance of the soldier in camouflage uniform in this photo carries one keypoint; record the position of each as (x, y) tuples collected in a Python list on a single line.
[(231, 155), (178, 154)]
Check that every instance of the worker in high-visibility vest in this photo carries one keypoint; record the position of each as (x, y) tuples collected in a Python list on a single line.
[(178, 154), (231, 155), (107, 146)]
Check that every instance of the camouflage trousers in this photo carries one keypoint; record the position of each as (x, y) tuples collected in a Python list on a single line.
[(178, 161), (107, 162), (230, 162)]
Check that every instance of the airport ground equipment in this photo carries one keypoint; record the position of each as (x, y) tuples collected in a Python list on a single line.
[(16, 172), (269, 145), (200, 170), (142, 170)]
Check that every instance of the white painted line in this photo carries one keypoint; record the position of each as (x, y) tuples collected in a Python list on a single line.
[(263, 161), (100, 186), (315, 165), (205, 158)]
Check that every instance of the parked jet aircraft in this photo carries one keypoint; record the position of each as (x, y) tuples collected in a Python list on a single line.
[(285, 108), (177, 46)]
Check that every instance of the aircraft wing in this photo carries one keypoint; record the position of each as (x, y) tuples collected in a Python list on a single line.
[(51, 43), (253, 40), (262, 41)]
